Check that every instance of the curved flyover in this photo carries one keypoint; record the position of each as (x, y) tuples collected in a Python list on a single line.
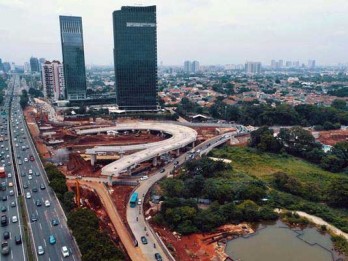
[(181, 137)]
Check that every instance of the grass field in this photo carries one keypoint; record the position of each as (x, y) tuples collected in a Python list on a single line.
[(263, 165)]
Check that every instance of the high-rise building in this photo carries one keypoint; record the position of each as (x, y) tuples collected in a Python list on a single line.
[(53, 80), (6, 66), (135, 57), (187, 66), (311, 64), (195, 66), (274, 64), (41, 62), (288, 64), (252, 67), (280, 63), (73, 57), (26, 67), (34, 65), (296, 64)]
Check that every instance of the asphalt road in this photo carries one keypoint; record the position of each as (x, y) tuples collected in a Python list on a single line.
[(135, 217), (42, 228), (15, 229)]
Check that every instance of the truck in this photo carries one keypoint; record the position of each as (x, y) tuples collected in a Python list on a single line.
[(2, 172)]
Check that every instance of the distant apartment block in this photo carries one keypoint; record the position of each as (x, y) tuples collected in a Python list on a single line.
[(252, 67), (73, 57), (191, 67), (135, 58), (311, 64), (53, 80), (34, 65)]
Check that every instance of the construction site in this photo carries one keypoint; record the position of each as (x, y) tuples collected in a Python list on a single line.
[(52, 138)]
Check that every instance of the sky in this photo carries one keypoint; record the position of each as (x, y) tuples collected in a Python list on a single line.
[(210, 31)]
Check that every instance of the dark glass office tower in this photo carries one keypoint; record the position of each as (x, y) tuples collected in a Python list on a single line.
[(135, 58), (73, 57)]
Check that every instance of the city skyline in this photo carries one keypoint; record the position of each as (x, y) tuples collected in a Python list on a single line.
[(212, 32)]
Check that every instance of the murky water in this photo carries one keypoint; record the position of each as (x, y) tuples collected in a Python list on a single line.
[(278, 242)]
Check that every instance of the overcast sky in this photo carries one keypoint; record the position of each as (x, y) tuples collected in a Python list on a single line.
[(210, 31)]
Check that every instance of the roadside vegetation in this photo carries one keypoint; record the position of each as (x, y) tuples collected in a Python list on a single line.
[(235, 198), (24, 99), (93, 244)]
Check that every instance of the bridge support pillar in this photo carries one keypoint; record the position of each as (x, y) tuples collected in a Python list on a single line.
[(93, 159), (193, 144), (110, 180), (154, 161), (177, 152), (129, 171)]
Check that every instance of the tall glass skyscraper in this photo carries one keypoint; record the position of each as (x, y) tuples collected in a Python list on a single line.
[(73, 57), (135, 58)]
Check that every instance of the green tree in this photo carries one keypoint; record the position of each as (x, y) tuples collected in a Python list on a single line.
[(338, 193)]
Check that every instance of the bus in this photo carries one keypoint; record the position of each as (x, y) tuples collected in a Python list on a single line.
[(133, 200)]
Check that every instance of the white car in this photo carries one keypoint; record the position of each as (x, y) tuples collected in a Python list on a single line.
[(14, 219), (40, 250), (26, 159), (9, 175), (139, 201), (30, 171), (30, 177), (47, 203), (65, 251), (28, 195)]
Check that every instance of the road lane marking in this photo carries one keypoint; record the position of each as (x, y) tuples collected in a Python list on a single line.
[(40, 226)]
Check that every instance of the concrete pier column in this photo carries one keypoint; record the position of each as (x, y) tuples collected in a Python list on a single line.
[(129, 171), (110, 180), (93, 159), (193, 144), (154, 161), (177, 152)]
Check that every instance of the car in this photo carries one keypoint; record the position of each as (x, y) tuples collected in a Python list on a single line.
[(4, 221), (38, 203), (18, 239), (9, 175), (158, 257), (139, 201), (144, 177), (143, 240), (47, 203), (162, 170), (31, 158), (65, 251), (40, 250), (11, 192), (52, 239), (30, 171), (3, 208), (37, 173), (28, 195), (6, 235), (23, 174), (34, 189), (55, 222), (42, 186), (4, 198), (33, 217), (10, 184), (5, 248), (13, 204), (30, 177), (26, 159), (25, 185), (14, 219)]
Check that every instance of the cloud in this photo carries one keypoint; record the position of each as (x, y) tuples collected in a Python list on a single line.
[(211, 31)]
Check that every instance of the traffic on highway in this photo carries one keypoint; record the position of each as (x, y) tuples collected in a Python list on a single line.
[(23, 178)]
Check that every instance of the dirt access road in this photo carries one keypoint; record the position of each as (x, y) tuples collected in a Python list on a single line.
[(133, 252)]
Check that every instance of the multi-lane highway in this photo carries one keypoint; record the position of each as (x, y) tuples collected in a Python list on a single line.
[(49, 231), (8, 191)]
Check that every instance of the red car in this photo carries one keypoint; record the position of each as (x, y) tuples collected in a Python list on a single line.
[(31, 158)]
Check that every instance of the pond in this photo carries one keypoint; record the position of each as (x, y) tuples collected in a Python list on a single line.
[(278, 242)]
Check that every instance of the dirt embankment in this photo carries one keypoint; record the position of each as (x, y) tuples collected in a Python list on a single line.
[(203, 247), (332, 137)]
